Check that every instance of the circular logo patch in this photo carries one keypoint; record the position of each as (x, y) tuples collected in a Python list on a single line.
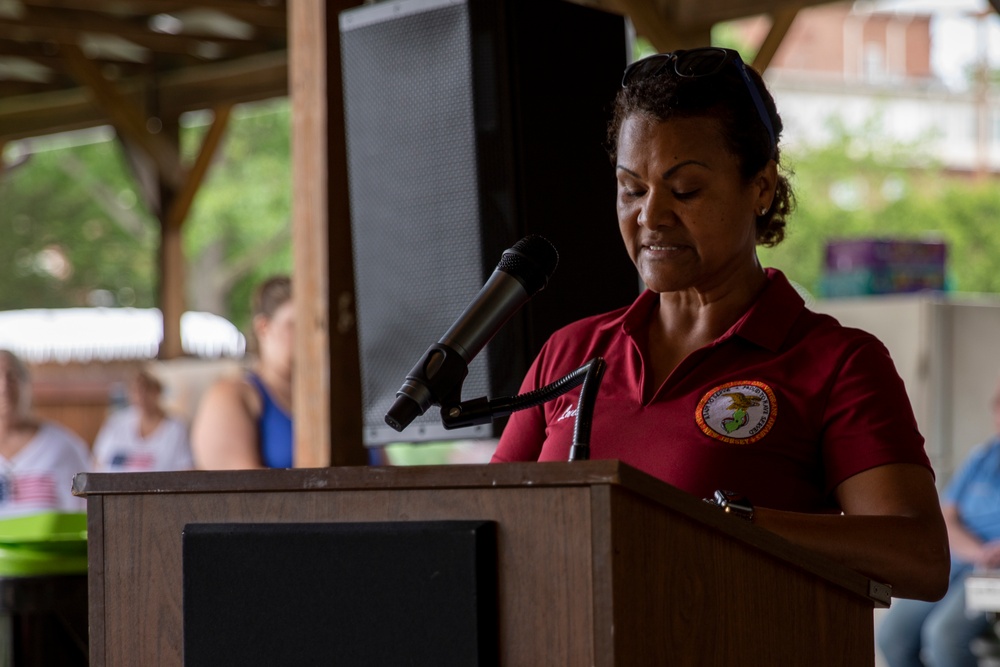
[(738, 412)]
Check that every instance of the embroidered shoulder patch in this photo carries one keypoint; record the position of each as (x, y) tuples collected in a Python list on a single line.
[(740, 412)]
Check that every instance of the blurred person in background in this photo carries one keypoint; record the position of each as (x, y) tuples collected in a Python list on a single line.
[(246, 422), (38, 458), (939, 634), (142, 436)]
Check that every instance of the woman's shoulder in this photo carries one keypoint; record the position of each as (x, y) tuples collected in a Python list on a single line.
[(54, 436), (232, 391), (230, 386), (55, 431), (827, 329)]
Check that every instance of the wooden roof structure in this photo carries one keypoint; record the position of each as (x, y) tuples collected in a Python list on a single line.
[(138, 65)]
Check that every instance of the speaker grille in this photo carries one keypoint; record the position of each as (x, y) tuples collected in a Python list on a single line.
[(413, 183), (464, 136)]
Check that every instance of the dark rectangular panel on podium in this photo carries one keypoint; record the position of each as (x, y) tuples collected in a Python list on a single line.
[(350, 594), (471, 124)]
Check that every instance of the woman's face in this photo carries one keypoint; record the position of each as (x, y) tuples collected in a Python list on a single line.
[(276, 336), (143, 394), (686, 216)]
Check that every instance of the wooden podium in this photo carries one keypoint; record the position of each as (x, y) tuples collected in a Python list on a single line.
[(597, 563)]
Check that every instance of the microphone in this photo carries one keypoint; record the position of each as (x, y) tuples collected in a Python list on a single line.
[(524, 269)]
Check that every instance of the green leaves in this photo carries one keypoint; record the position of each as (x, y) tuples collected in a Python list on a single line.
[(861, 185), (77, 232)]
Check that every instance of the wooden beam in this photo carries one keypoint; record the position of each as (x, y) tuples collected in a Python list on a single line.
[(647, 22), (172, 281), (271, 15), (66, 25), (781, 21), (247, 79), (126, 116), (172, 264), (184, 198), (661, 30), (691, 13), (327, 387)]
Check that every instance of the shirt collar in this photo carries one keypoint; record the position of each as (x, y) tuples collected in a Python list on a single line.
[(766, 324), (771, 317)]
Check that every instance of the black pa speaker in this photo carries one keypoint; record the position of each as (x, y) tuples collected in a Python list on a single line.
[(470, 125), (345, 594)]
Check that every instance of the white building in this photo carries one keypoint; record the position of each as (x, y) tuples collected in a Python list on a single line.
[(922, 68)]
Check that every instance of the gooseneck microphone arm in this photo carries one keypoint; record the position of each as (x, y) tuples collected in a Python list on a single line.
[(482, 410)]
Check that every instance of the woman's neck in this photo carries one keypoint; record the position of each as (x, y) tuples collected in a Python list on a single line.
[(704, 315), (16, 431), (279, 383), (149, 420)]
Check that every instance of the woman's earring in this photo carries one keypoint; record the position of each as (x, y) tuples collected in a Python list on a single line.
[(763, 211)]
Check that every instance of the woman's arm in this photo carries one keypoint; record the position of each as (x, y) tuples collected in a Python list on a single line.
[(224, 433), (891, 530)]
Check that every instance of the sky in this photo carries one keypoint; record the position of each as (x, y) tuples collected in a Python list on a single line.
[(957, 37)]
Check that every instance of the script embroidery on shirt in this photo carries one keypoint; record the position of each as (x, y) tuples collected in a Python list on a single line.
[(740, 412), (570, 412)]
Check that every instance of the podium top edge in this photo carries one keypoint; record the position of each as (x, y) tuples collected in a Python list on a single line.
[(535, 475), (581, 473)]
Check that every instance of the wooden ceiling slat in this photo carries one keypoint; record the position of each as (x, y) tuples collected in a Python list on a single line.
[(28, 108), (264, 16), (203, 87), (66, 25), (127, 117)]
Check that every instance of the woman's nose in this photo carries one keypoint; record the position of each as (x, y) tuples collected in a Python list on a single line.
[(656, 210)]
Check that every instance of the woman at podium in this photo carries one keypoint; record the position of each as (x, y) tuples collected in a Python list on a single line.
[(718, 378)]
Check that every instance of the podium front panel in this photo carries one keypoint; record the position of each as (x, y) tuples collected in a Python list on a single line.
[(545, 596)]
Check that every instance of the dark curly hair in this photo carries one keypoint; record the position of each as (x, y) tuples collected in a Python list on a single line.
[(722, 96)]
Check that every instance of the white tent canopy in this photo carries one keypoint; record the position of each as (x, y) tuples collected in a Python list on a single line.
[(104, 334)]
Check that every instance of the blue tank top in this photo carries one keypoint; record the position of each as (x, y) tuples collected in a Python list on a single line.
[(274, 427)]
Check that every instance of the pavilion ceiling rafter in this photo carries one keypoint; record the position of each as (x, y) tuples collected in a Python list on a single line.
[(196, 54)]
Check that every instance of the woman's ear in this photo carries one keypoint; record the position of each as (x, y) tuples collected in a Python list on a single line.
[(766, 182), (259, 325)]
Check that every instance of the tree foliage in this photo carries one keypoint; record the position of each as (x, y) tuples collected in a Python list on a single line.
[(74, 231), (861, 185), (78, 233)]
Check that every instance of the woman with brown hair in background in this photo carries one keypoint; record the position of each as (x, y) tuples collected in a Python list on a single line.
[(245, 422)]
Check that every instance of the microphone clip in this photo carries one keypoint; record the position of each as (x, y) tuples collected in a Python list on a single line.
[(436, 380)]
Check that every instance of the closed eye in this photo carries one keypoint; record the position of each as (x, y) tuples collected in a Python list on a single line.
[(631, 191)]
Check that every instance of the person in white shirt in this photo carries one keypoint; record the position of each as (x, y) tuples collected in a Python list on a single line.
[(142, 437), (38, 459)]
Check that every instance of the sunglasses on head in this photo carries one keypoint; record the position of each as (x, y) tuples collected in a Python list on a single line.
[(694, 63)]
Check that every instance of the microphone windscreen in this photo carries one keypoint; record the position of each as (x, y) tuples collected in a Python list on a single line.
[(532, 260)]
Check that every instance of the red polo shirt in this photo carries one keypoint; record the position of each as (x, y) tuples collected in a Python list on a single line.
[(783, 407)]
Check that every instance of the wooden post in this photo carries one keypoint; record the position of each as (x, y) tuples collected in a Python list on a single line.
[(327, 387)]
